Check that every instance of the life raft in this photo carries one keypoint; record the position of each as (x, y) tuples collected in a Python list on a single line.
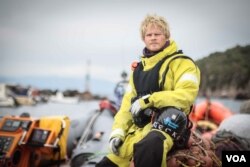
[(207, 116), (212, 111)]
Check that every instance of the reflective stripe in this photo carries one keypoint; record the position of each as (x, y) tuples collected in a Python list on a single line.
[(117, 132), (189, 77), (129, 89)]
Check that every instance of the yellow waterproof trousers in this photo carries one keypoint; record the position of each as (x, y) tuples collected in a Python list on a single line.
[(134, 136)]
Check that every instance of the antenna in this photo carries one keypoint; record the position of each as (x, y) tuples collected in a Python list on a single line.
[(87, 77)]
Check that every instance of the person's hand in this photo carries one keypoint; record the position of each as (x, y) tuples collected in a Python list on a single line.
[(140, 104), (114, 145)]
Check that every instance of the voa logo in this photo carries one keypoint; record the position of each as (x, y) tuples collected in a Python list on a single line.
[(236, 158)]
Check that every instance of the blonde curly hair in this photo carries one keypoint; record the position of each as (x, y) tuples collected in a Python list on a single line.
[(157, 21)]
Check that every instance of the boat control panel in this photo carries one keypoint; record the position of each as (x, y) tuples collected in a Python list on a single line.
[(12, 125), (39, 137), (13, 131), (5, 143), (22, 134)]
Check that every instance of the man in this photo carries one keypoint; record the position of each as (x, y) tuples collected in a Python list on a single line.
[(163, 80)]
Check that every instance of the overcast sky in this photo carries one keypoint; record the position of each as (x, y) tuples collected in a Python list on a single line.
[(58, 38)]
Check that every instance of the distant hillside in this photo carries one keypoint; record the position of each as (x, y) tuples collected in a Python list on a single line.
[(226, 74)]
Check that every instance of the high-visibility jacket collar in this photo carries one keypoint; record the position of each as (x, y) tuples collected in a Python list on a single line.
[(150, 62)]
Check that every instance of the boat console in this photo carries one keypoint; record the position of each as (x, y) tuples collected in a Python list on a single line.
[(22, 139)]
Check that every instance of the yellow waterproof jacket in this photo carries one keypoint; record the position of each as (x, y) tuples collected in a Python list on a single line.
[(180, 87)]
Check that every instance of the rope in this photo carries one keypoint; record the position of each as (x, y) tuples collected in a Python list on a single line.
[(199, 154), (184, 165)]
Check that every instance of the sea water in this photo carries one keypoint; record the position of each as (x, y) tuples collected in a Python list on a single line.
[(81, 109), (85, 108)]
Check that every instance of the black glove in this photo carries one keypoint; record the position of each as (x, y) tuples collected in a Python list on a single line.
[(114, 145)]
